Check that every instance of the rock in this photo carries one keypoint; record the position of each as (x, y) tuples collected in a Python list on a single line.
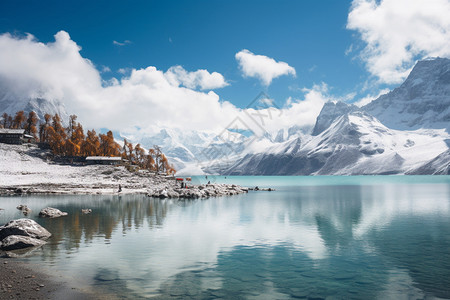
[(86, 211), (15, 242), (24, 227), (50, 212), (25, 210), (163, 194), (172, 194)]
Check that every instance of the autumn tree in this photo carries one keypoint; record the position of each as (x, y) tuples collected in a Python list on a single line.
[(91, 146), (72, 125), (57, 136), (43, 128), (30, 124), (19, 120), (140, 156), (108, 146), (5, 120)]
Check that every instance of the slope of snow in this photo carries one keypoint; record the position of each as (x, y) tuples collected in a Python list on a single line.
[(422, 101), (437, 166), (356, 143)]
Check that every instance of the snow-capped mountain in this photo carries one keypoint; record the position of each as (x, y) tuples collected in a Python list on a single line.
[(330, 112), (11, 104), (422, 101), (402, 132), (355, 143), (191, 149)]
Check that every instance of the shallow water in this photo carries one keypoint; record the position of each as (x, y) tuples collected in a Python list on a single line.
[(371, 237)]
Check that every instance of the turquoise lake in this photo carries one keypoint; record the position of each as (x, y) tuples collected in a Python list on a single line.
[(334, 237)]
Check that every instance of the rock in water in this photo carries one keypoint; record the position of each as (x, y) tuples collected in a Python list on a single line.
[(86, 211), (15, 242), (25, 210), (24, 227), (50, 212)]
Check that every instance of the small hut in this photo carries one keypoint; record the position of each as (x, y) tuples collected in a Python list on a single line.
[(12, 136), (103, 160)]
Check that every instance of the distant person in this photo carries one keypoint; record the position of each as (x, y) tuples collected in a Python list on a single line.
[(209, 182), (120, 188)]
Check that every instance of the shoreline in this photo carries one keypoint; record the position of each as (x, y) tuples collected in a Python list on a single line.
[(24, 170), (24, 280)]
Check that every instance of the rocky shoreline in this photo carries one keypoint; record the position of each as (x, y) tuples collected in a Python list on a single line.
[(24, 171)]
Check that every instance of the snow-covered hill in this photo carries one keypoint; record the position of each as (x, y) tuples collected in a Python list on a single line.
[(422, 101), (355, 143), (437, 166)]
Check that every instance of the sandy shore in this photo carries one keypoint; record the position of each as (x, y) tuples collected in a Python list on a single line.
[(19, 280)]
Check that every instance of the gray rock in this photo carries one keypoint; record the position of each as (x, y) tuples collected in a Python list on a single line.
[(24, 227), (86, 211), (172, 194), (50, 212), (25, 210), (15, 242)]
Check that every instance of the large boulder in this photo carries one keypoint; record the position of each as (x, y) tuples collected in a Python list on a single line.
[(15, 242), (50, 212), (24, 227)]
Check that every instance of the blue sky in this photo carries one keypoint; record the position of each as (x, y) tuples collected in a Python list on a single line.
[(322, 50)]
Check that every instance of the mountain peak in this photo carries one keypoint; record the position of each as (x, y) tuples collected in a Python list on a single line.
[(330, 112), (422, 101)]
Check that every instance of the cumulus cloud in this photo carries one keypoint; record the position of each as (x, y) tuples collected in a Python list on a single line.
[(202, 79), (146, 97), (398, 32), (262, 67)]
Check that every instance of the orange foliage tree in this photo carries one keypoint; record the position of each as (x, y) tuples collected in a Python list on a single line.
[(72, 141)]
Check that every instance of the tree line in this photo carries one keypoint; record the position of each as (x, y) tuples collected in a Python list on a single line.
[(72, 141)]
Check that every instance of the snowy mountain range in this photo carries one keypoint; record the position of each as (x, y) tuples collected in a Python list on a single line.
[(11, 103), (402, 132), (405, 131)]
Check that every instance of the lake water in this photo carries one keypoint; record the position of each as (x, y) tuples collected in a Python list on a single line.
[(371, 237)]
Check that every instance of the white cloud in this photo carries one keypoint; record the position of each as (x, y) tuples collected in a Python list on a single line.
[(145, 98), (398, 32), (369, 98), (202, 79), (297, 112), (262, 67), (126, 42)]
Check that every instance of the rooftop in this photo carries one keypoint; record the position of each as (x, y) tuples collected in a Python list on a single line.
[(114, 158), (11, 131)]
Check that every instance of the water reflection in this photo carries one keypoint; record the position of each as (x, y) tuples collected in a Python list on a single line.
[(364, 241)]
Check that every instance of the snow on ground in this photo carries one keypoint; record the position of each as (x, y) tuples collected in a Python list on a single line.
[(21, 166)]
